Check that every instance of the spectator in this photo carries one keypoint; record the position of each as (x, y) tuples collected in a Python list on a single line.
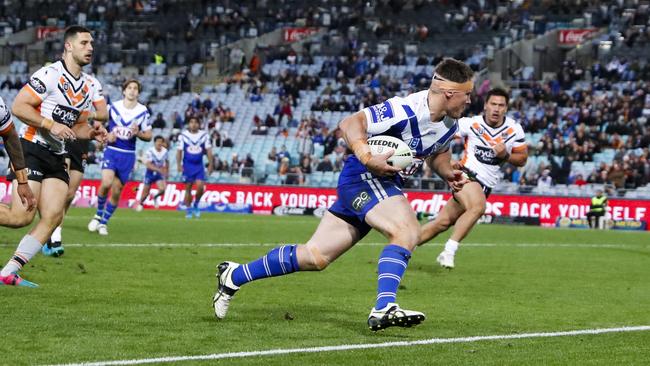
[(545, 180), (159, 122), (325, 165)]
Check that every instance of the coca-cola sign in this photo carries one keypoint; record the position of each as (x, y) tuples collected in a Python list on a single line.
[(572, 37)]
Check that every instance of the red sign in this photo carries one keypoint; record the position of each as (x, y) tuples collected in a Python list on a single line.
[(264, 198), (42, 31), (297, 34), (572, 37)]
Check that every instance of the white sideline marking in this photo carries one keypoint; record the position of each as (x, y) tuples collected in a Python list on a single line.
[(347, 347), (431, 245)]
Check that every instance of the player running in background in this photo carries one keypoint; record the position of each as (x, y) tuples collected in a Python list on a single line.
[(491, 139), (192, 145), (12, 144), (54, 106), (128, 120), (157, 162), (76, 162), (370, 196)]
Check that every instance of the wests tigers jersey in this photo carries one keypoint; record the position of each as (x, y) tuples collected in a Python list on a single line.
[(63, 98), (479, 138), (5, 118)]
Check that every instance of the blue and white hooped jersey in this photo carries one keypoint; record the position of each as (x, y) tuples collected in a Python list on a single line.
[(155, 157), (407, 119), (193, 145), (121, 121)]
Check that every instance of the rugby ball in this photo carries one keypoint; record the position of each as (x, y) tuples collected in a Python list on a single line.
[(382, 144)]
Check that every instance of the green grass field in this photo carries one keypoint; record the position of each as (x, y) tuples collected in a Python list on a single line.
[(121, 298)]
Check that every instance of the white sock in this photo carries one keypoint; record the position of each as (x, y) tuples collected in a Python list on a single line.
[(27, 248), (451, 246), (56, 235)]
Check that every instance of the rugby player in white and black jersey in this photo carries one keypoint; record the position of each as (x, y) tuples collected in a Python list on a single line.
[(55, 107), (490, 140)]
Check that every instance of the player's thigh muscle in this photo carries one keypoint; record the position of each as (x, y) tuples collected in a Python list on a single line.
[(471, 197), (395, 218), (75, 180), (52, 198)]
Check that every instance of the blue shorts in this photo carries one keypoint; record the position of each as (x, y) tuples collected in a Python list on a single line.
[(192, 173), (151, 177), (120, 162), (356, 198)]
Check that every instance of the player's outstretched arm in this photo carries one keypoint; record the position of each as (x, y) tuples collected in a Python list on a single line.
[(441, 164), (15, 151), (355, 133)]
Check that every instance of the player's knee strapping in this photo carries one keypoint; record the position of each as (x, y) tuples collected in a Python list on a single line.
[(317, 258), (279, 261)]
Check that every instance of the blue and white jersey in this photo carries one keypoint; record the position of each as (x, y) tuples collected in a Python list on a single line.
[(193, 145), (155, 157), (121, 121), (408, 119)]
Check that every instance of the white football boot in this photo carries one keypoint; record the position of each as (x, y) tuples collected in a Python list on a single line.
[(446, 260), (92, 225), (225, 288), (392, 315), (102, 229)]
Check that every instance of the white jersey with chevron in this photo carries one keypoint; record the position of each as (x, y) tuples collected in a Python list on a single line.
[(479, 139)]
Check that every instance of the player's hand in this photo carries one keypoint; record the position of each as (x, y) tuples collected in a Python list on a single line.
[(99, 133), (110, 137), (26, 196), (378, 165), (456, 180), (62, 131), (134, 130), (500, 150), (456, 165)]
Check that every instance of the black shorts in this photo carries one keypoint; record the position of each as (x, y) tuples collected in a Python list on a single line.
[(78, 154), (42, 163), (472, 178)]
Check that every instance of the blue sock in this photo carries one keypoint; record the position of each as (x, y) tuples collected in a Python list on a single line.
[(188, 210), (101, 202), (392, 264), (279, 261), (196, 203), (108, 213)]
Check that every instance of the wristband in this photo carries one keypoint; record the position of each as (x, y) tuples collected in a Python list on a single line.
[(47, 123), (21, 176)]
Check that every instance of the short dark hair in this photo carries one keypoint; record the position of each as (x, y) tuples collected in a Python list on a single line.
[(73, 30), (454, 70), (499, 92), (158, 137), (129, 81)]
